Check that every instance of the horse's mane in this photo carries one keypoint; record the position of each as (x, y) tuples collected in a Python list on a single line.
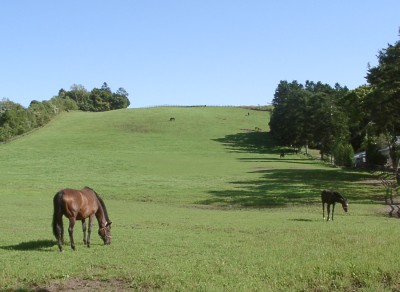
[(341, 199), (340, 196), (101, 203), (329, 193)]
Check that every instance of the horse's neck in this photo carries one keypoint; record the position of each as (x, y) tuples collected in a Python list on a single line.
[(101, 218), (340, 199)]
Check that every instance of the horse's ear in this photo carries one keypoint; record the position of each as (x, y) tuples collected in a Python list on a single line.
[(108, 224)]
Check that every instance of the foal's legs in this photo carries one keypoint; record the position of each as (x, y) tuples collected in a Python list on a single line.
[(323, 210), (84, 231), (71, 231), (328, 209)]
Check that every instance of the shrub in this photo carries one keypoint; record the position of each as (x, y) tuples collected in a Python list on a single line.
[(344, 155)]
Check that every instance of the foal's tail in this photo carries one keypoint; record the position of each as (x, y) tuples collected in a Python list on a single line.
[(58, 227)]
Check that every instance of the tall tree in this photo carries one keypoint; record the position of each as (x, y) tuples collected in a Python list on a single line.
[(289, 104), (383, 103), (352, 104), (309, 114)]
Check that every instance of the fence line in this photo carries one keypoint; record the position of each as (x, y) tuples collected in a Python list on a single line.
[(255, 107)]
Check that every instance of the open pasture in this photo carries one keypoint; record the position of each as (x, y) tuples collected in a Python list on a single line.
[(201, 202)]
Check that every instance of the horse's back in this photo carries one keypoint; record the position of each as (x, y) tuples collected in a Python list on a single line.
[(331, 196), (326, 196), (79, 203)]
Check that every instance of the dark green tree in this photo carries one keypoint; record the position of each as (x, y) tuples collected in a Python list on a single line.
[(383, 103), (101, 98), (309, 115), (290, 101), (78, 93), (98, 99), (120, 99), (15, 120), (352, 104)]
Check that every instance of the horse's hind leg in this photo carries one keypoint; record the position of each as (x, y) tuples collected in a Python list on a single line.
[(323, 211), (60, 239), (71, 231), (84, 231)]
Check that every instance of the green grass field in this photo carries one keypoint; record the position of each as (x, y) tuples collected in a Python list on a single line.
[(201, 203)]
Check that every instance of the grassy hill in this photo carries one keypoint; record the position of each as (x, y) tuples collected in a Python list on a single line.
[(132, 153), (201, 203), (211, 154)]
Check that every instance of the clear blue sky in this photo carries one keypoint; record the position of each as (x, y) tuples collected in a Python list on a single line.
[(189, 52)]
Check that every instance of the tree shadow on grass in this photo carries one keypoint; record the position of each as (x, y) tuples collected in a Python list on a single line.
[(284, 187), (38, 245), (249, 142), (277, 187)]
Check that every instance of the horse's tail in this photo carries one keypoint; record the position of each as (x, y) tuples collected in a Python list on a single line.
[(57, 215)]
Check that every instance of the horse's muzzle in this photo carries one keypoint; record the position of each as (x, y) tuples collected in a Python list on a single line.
[(107, 240)]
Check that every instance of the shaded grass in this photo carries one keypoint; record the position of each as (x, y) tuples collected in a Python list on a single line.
[(280, 187), (249, 141), (295, 179), (40, 245)]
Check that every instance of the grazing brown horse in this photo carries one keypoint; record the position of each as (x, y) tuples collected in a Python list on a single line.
[(79, 205), (330, 198)]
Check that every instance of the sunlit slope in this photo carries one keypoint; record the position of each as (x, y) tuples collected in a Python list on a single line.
[(135, 154)]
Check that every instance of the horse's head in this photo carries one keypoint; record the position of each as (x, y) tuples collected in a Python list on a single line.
[(345, 205), (105, 233)]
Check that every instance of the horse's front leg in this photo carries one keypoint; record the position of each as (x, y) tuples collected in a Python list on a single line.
[(323, 211), (71, 231), (90, 229), (333, 210), (84, 231)]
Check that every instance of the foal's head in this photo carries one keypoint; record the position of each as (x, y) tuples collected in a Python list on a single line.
[(105, 233), (345, 205)]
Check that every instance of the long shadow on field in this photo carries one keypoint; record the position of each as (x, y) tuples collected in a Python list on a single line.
[(280, 187), (39, 245), (249, 141)]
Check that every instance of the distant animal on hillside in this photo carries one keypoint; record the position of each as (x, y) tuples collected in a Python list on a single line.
[(79, 205), (282, 155), (257, 129), (171, 119), (331, 197)]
